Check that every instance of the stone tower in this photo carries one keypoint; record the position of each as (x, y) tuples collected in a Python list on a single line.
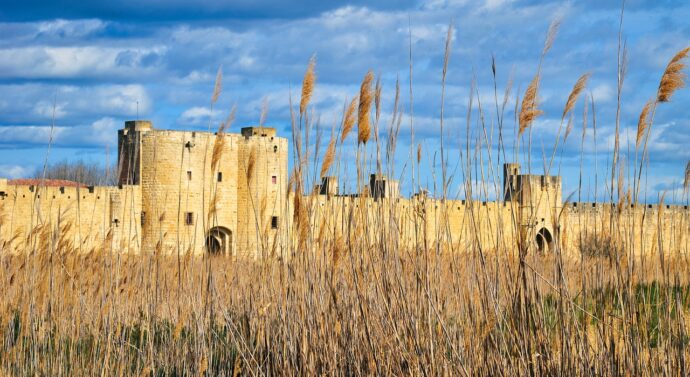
[(129, 151), (538, 199), (511, 172)]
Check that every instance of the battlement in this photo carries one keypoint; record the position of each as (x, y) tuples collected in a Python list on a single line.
[(258, 131), (138, 125), (229, 194), (587, 207)]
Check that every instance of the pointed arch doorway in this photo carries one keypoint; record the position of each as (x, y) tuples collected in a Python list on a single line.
[(544, 241), (219, 241)]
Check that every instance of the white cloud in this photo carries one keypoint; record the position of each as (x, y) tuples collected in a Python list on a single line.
[(46, 110), (603, 93), (101, 132), (14, 171), (195, 116), (69, 28), (70, 62)]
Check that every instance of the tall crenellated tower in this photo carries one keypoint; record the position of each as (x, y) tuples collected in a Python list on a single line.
[(511, 175), (537, 200), (129, 151)]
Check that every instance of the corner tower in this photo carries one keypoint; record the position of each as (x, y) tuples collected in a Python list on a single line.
[(511, 175), (129, 151)]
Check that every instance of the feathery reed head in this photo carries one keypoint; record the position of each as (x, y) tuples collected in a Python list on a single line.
[(365, 98), (307, 85), (446, 54), (329, 157), (419, 153), (569, 127), (673, 78), (686, 182), (264, 111), (377, 98), (643, 123), (220, 139), (529, 111), (251, 165), (579, 86), (551, 34), (349, 119), (217, 87)]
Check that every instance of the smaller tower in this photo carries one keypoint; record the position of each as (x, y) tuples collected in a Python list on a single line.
[(511, 181), (129, 151), (329, 186), (382, 187)]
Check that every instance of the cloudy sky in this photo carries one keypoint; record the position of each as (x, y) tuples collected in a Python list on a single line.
[(96, 64)]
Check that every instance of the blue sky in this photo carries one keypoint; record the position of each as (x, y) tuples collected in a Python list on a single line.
[(102, 62)]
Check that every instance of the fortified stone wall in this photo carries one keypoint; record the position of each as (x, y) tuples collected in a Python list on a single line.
[(193, 192), (643, 229), (458, 224), (86, 217)]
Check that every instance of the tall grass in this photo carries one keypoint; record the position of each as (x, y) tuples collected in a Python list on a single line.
[(346, 297)]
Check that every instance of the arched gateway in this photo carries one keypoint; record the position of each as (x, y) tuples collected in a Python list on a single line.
[(219, 241), (544, 241)]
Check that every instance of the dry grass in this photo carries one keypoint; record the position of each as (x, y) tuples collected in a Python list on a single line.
[(307, 86), (115, 314), (643, 123), (673, 77), (579, 86), (364, 110), (329, 157), (529, 110)]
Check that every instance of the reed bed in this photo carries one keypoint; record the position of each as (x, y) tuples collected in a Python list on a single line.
[(357, 303)]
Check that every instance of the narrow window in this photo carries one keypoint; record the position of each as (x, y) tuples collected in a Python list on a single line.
[(189, 218), (274, 179), (274, 222), (143, 218), (220, 176), (189, 175)]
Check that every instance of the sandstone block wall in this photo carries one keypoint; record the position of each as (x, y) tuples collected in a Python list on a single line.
[(192, 192)]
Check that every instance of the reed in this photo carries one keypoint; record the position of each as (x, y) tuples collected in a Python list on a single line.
[(529, 110), (307, 86), (364, 109), (673, 77), (643, 123), (349, 119)]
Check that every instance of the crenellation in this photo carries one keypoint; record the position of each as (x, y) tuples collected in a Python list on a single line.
[(196, 192)]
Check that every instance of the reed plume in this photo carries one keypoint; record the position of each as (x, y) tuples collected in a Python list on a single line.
[(673, 77), (419, 153), (329, 157), (579, 86), (569, 127), (365, 98), (307, 86), (338, 249), (529, 110), (643, 122), (220, 139), (686, 182), (377, 99), (218, 86), (264, 111), (251, 165), (349, 119), (551, 35)]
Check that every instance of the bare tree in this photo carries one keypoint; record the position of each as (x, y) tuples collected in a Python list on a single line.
[(88, 173)]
